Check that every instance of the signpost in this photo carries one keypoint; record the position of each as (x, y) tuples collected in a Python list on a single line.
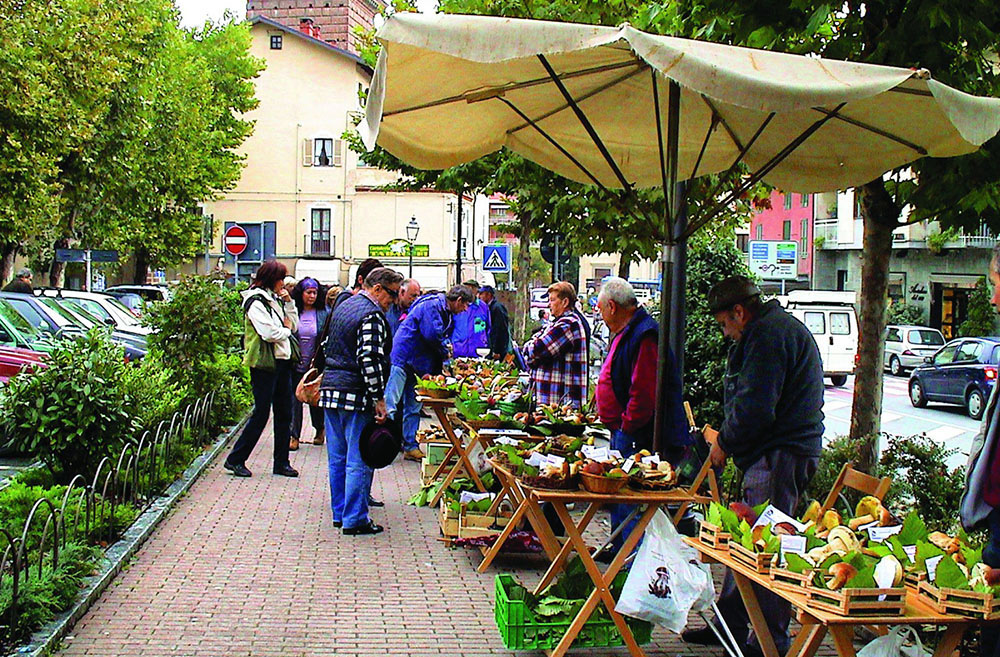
[(775, 260), (496, 258), (235, 240), (88, 256)]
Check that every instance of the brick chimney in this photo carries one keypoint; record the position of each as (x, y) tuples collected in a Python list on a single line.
[(307, 26)]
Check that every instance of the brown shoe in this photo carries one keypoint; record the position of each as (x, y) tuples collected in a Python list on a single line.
[(413, 455), (320, 438), (293, 444)]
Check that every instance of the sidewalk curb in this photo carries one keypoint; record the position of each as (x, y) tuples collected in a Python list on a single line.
[(47, 639)]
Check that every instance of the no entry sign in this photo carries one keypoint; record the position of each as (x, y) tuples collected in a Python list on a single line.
[(235, 240)]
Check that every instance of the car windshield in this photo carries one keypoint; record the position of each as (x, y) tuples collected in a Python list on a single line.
[(121, 314), (88, 319), (22, 325), (925, 337), (30, 313), (61, 315)]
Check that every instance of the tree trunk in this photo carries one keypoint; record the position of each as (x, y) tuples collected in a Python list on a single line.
[(7, 253), (141, 266), (880, 215), (57, 269), (624, 265), (522, 279)]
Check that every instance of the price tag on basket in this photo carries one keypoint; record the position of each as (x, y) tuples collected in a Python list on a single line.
[(596, 453), (792, 544), (654, 458), (932, 565), (879, 534), (911, 552)]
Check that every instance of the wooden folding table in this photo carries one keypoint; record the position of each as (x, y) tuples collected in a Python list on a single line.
[(817, 622), (457, 452)]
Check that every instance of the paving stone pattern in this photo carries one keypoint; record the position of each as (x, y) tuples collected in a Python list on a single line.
[(255, 567)]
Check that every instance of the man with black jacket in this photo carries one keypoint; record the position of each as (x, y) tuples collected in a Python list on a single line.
[(773, 428), (499, 323)]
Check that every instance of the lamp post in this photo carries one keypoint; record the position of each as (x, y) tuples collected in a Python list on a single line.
[(412, 230)]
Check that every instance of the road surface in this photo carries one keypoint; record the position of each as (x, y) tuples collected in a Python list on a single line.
[(944, 423)]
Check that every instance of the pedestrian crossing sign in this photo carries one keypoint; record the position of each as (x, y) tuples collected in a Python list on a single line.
[(496, 258)]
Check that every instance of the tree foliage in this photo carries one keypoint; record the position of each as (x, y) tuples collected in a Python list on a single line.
[(982, 319), (114, 124)]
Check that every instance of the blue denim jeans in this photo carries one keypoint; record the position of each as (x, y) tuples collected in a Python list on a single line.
[(625, 444), (350, 478), (401, 389)]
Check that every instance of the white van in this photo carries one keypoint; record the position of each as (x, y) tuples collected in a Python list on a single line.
[(831, 318)]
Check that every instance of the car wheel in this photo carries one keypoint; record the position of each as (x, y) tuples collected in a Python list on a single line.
[(838, 380), (895, 367), (917, 394), (975, 404)]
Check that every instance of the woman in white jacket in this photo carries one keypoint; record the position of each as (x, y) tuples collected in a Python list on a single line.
[(270, 319)]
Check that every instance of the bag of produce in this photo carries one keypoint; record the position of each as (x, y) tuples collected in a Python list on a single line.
[(667, 580), (892, 644)]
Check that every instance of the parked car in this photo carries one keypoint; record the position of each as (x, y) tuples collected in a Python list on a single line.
[(831, 319), (130, 300), (146, 292), (16, 331), (104, 306), (962, 372), (49, 315), (14, 361), (906, 346)]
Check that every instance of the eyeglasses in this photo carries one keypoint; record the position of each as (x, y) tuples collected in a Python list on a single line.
[(394, 293)]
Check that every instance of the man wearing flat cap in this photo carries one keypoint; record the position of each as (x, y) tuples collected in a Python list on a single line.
[(773, 428)]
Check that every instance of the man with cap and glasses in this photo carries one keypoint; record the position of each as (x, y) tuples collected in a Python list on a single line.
[(773, 429)]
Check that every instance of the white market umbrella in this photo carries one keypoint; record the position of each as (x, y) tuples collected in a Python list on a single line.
[(621, 108)]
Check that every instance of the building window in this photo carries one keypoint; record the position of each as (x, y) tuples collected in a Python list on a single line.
[(786, 230), (803, 237), (275, 42), (323, 152), (321, 240), (788, 201), (760, 232), (743, 242), (805, 200)]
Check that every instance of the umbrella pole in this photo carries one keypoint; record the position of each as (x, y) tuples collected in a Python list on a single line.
[(669, 250)]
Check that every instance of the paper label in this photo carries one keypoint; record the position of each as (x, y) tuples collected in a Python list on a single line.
[(552, 459), (911, 552), (596, 453), (879, 534), (867, 526), (504, 440), (536, 460), (468, 496), (502, 432), (628, 464), (654, 458), (616, 455), (793, 545), (932, 565), (772, 516)]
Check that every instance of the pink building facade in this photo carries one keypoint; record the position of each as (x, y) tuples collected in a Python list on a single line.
[(790, 218)]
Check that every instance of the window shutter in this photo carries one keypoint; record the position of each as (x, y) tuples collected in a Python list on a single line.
[(307, 152), (338, 152)]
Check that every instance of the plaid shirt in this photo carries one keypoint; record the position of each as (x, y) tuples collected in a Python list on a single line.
[(558, 362), (372, 342)]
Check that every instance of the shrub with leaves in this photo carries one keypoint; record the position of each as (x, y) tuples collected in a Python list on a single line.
[(74, 412), (982, 318), (904, 313)]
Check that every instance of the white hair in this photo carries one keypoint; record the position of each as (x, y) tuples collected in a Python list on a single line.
[(618, 290)]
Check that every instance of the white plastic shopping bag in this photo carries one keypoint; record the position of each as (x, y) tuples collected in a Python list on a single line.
[(891, 645), (667, 580)]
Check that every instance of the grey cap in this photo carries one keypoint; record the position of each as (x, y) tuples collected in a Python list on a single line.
[(731, 291), (24, 272)]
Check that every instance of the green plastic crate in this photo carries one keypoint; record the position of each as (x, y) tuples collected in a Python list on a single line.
[(520, 631)]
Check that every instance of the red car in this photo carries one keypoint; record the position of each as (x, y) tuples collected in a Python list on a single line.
[(14, 360)]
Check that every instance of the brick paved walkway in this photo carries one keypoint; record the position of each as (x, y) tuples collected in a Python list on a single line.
[(255, 567)]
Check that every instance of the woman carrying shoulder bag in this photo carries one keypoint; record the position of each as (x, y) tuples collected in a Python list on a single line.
[(312, 321), (270, 319)]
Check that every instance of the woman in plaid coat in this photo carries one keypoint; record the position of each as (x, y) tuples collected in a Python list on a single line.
[(557, 356)]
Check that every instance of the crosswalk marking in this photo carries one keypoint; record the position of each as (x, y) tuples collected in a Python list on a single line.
[(888, 416)]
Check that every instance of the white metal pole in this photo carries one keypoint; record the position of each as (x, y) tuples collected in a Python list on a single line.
[(89, 280)]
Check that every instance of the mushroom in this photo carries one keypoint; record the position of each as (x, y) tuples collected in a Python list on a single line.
[(842, 573), (885, 518), (890, 564), (842, 540), (831, 519), (812, 512), (857, 521), (869, 505)]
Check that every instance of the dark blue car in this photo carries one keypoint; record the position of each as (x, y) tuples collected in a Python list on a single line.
[(962, 372)]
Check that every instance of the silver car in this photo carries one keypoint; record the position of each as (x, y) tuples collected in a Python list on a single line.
[(906, 346)]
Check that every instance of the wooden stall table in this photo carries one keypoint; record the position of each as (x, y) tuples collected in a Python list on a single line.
[(457, 451), (817, 623)]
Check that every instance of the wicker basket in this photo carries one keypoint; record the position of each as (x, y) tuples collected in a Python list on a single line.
[(436, 393), (601, 484), (476, 425), (569, 483)]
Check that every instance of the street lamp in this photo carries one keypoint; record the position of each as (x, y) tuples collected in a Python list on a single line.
[(412, 230)]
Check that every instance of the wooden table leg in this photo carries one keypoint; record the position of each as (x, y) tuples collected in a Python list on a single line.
[(450, 435), (843, 640), (602, 581), (550, 544), (559, 562), (463, 459), (807, 641), (949, 642), (760, 628), (491, 554)]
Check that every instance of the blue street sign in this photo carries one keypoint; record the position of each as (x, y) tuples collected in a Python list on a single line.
[(496, 258), (71, 255), (104, 256)]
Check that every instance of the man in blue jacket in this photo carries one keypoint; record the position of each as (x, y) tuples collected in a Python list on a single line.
[(421, 345), (472, 327), (773, 429)]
